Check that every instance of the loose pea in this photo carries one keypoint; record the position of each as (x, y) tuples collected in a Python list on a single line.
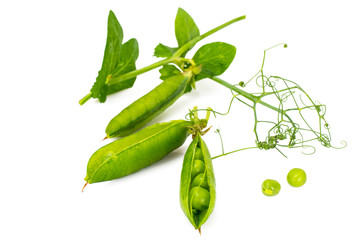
[(200, 198), (296, 177), (198, 167), (270, 187), (200, 180)]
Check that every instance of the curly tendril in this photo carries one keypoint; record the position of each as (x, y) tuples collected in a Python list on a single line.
[(296, 115), (298, 120)]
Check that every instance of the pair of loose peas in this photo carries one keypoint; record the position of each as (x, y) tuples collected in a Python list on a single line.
[(296, 178)]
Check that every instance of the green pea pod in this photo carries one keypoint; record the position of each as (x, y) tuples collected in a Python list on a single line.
[(139, 150), (144, 109), (197, 202)]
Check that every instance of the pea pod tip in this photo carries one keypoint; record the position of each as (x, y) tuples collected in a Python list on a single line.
[(106, 137), (82, 190)]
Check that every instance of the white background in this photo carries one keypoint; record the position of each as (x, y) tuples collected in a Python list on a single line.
[(50, 52)]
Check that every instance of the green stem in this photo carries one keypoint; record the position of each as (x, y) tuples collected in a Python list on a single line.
[(137, 72), (176, 55), (222, 144), (256, 122), (85, 99), (264, 94), (251, 97), (243, 93), (173, 59), (193, 41), (238, 150)]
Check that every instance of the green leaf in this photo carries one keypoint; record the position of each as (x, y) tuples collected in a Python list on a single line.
[(129, 53), (214, 59), (164, 51), (98, 90), (111, 57), (168, 71), (185, 28)]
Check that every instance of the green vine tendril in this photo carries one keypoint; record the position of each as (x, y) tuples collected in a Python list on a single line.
[(294, 125)]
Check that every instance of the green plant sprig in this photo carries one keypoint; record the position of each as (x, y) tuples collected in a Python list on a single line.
[(175, 58), (118, 73), (291, 102)]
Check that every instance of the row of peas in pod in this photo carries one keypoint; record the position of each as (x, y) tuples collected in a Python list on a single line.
[(197, 187)]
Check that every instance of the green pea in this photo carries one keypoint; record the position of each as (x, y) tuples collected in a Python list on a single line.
[(296, 177), (198, 167), (198, 154), (270, 187), (200, 181), (200, 198)]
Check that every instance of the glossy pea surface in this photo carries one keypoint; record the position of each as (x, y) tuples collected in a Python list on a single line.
[(200, 180), (198, 167), (200, 198), (296, 177), (198, 154), (270, 187)]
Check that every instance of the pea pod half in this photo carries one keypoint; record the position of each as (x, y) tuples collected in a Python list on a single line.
[(197, 185), (144, 109)]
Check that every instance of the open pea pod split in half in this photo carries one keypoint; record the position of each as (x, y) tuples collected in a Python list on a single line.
[(197, 185)]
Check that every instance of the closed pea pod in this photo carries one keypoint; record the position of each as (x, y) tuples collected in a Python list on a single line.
[(139, 150), (144, 109), (197, 194)]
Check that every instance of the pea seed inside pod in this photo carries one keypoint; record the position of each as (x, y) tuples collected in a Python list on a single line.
[(200, 181), (198, 167), (200, 198), (198, 154)]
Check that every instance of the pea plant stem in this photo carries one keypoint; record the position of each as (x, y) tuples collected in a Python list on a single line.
[(253, 98), (238, 150), (175, 58), (85, 99), (192, 42), (132, 74), (137, 72)]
